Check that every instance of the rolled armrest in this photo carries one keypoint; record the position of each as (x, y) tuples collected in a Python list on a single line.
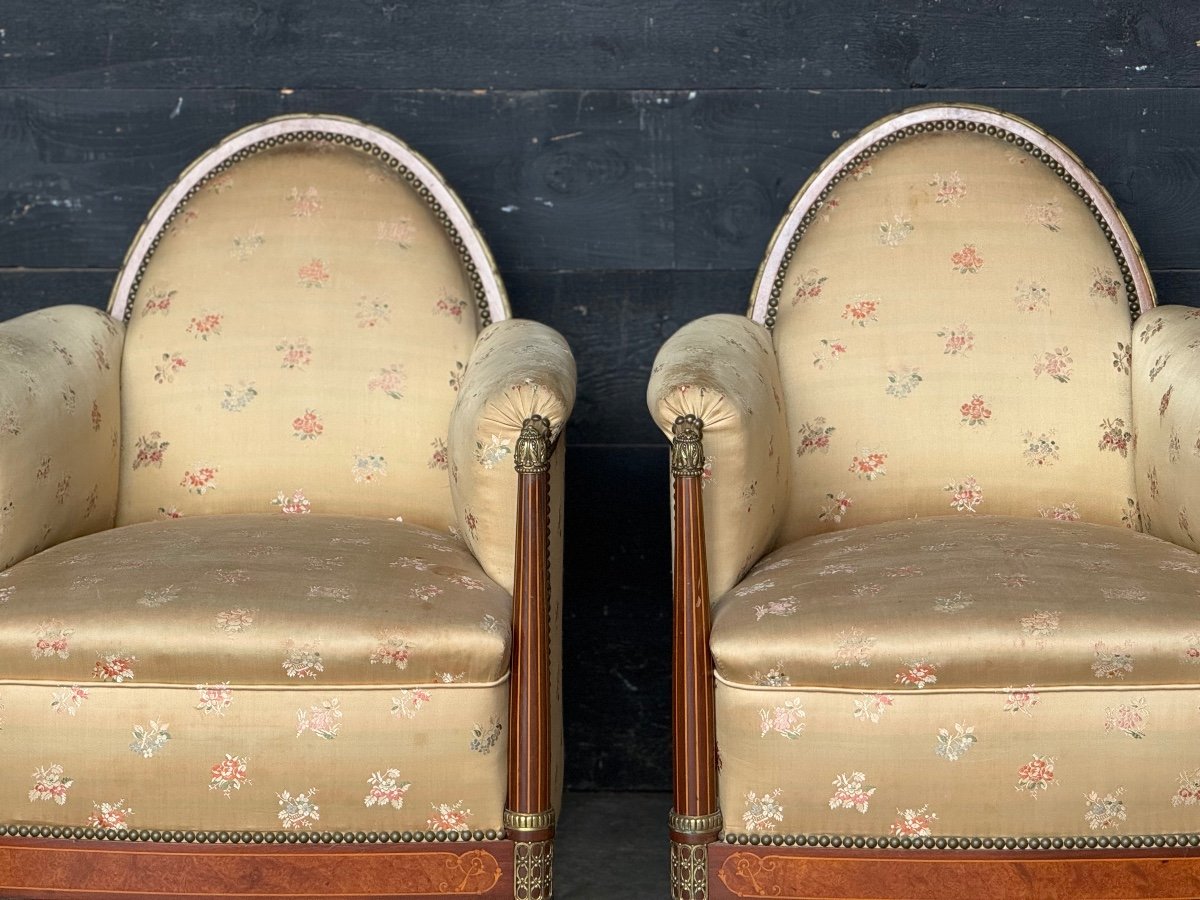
[(518, 369), (722, 370), (1166, 416), (60, 417)]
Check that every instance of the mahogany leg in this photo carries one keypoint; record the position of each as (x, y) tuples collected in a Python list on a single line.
[(529, 816), (695, 820)]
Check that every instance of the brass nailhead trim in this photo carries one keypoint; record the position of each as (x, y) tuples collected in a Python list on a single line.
[(1131, 295), (485, 315), (82, 832), (859, 842)]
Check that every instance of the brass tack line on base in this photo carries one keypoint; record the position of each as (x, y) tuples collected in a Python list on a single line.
[(859, 842), (82, 832)]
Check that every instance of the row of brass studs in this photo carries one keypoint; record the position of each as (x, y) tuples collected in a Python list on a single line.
[(485, 315), (846, 842), (81, 832), (921, 128)]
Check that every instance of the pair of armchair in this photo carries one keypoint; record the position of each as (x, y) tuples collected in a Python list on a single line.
[(282, 543)]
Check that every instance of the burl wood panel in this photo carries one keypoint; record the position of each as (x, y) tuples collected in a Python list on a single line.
[(50, 868), (1096, 875)]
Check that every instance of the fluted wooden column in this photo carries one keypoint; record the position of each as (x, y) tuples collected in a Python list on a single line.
[(529, 815), (695, 819)]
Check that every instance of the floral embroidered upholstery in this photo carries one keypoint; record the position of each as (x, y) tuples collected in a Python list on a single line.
[(1166, 393), (60, 417), (981, 602), (279, 652), (268, 599), (296, 626), (953, 293), (307, 302), (979, 616), (723, 370), (1015, 660)]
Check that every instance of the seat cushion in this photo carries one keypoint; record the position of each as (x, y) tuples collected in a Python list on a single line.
[(254, 673), (256, 600), (941, 675)]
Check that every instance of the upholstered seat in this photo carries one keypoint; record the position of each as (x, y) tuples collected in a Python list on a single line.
[(986, 648), (277, 532), (940, 486), (279, 642)]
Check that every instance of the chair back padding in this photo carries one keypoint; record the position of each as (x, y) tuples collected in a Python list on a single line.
[(951, 299), (300, 306)]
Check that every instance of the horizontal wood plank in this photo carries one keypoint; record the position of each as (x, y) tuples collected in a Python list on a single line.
[(617, 618), (742, 156), (567, 180), (573, 180), (599, 44)]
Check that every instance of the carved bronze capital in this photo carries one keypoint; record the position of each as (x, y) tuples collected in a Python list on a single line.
[(532, 455), (515, 821), (701, 825), (687, 452)]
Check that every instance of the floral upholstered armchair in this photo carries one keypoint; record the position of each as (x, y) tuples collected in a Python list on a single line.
[(937, 512), (281, 547)]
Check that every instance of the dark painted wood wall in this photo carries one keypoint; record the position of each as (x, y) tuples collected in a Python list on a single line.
[(627, 162)]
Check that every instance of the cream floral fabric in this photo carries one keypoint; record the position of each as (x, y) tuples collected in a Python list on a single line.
[(1166, 410), (997, 763), (256, 600), (723, 370), (270, 758), (60, 416), (518, 369), (298, 339), (954, 337), (962, 676), (267, 672)]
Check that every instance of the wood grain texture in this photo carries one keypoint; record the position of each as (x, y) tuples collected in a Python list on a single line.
[(806, 44), (693, 712), (1135, 143), (54, 868), (529, 691), (617, 618), (736, 872), (566, 180), (556, 180)]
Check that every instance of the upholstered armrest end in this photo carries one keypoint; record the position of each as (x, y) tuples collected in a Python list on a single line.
[(1166, 415), (60, 418), (517, 370), (722, 369)]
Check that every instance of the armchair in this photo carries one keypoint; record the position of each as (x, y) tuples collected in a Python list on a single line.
[(936, 593), (282, 546)]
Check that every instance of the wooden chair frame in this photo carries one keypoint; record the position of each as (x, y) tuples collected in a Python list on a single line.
[(703, 865)]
